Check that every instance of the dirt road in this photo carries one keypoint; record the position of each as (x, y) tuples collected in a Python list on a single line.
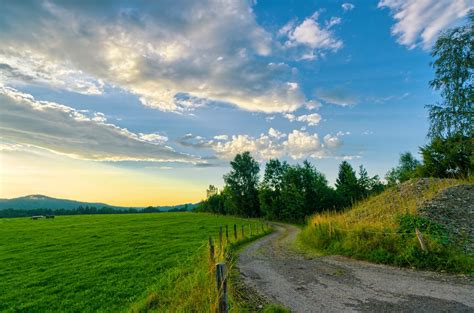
[(339, 284)]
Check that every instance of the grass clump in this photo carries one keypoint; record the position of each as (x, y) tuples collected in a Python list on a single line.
[(381, 229)]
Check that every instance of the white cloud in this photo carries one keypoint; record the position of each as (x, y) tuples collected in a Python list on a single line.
[(175, 56), (302, 145), (312, 104), (311, 119), (348, 6), (154, 137), (311, 36), (418, 23), (333, 21), (78, 134), (275, 133), (221, 137), (298, 144), (22, 67), (332, 141)]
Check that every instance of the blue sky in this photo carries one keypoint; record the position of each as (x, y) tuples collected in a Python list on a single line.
[(166, 92)]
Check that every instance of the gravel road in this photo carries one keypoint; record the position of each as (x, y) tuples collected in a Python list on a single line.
[(339, 284)]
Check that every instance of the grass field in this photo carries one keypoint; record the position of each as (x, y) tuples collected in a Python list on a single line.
[(99, 262)]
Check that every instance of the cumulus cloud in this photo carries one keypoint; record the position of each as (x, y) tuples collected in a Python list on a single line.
[(332, 141), (302, 145), (348, 6), (418, 23), (275, 133), (297, 144), (174, 55), (311, 37), (79, 134), (311, 119), (338, 96)]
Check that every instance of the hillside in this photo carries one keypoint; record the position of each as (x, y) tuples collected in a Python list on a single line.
[(44, 202), (382, 228)]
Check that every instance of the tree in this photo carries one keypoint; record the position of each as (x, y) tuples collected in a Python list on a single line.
[(376, 186), (347, 185), (303, 191), (242, 183), (407, 168), (317, 192), (448, 157), (454, 68), (364, 182), (211, 191), (270, 189)]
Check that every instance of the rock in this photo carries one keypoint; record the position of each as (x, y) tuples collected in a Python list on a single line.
[(454, 209)]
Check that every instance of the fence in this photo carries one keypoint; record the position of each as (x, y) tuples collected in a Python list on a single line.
[(219, 261)]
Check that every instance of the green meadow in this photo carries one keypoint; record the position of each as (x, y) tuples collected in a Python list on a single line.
[(102, 262)]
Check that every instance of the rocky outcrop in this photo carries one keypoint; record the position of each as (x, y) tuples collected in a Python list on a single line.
[(454, 209)]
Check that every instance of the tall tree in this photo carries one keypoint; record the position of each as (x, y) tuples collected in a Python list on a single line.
[(242, 183), (364, 182), (454, 70), (270, 189), (347, 185)]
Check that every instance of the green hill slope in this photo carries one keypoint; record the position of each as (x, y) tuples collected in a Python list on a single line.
[(382, 228)]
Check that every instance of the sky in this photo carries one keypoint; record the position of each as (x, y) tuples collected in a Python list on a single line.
[(141, 103)]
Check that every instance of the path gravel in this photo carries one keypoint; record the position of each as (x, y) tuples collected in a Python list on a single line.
[(339, 284)]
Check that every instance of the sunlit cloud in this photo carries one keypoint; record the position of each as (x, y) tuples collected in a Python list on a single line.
[(174, 56), (310, 38), (78, 134), (419, 23)]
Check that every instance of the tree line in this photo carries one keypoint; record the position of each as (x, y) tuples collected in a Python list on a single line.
[(286, 192), (11, 212), (292, 192)]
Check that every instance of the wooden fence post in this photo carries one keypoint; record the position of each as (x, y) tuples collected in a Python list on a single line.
[(220, 239), (421, 240), (250, 227), (262, 228), (211, 249), (226, 233), (243, 234), (235, 232), (221, 279)]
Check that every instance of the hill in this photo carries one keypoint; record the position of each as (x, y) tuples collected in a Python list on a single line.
[(383, 228), (44, 202)]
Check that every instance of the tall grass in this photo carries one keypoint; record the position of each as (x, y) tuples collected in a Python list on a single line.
[(193, 283), (382, 229)]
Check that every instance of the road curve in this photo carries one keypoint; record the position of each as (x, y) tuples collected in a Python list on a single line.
[(339, 284)]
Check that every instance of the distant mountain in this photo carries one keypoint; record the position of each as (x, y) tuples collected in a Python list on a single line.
[(43, 202)]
